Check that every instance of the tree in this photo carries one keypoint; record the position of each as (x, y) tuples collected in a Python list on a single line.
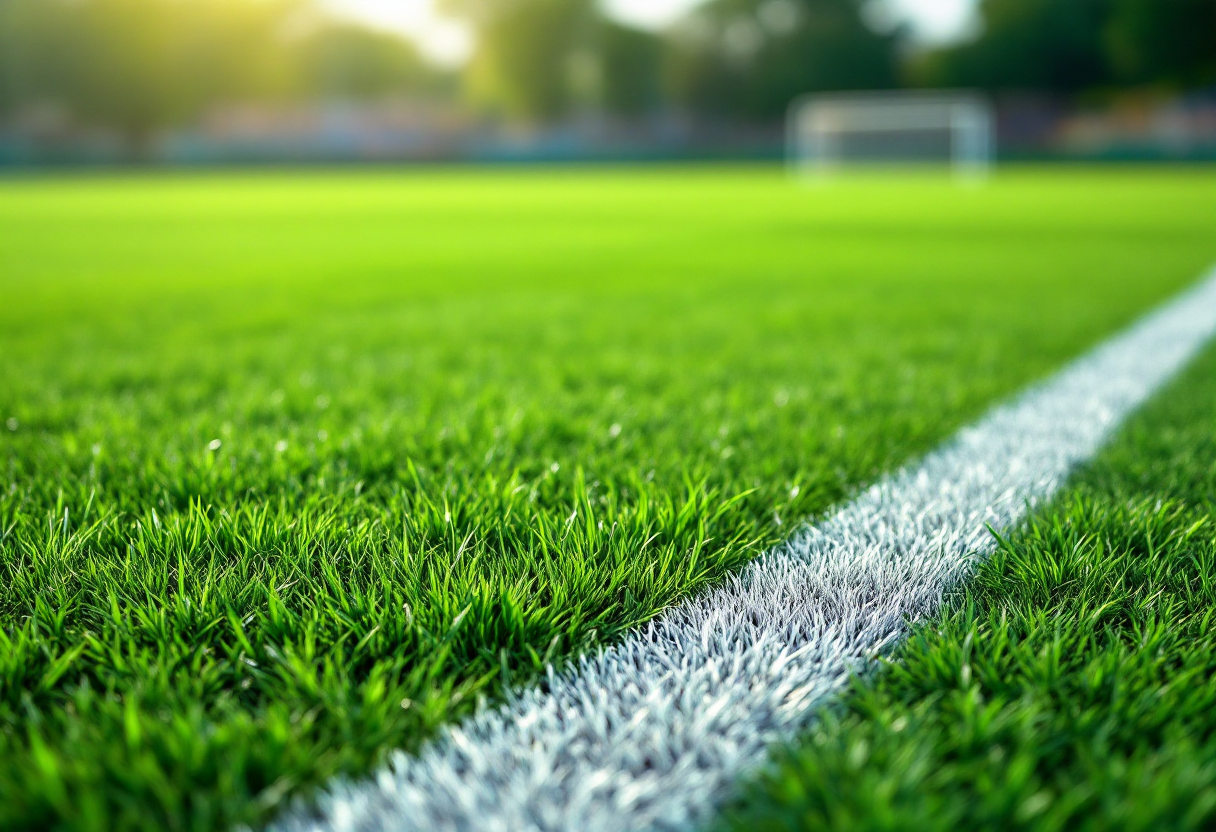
[(532, 56), (1163, 41), (751, 58), (343, 61), (139, 66), (1068, 46), (1053, 45), (631, 69)]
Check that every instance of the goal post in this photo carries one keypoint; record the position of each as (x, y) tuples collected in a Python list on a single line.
[(833, 131)]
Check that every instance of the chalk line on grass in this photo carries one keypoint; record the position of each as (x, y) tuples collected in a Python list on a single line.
[(652, 732)]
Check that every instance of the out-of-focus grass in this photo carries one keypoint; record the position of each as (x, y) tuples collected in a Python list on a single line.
[(296, 467), (1070, 686)]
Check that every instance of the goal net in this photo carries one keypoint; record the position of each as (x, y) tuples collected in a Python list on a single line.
[(834, 131)]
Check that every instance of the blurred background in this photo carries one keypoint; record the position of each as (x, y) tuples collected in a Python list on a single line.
[(194, 82)]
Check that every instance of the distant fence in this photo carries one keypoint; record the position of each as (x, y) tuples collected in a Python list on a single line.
[(1026, 129)]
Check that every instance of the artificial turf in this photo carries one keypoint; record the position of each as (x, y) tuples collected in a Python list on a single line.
[(1070, 686), (297, 467)]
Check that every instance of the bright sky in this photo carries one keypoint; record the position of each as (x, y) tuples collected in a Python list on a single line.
[(449, 42)]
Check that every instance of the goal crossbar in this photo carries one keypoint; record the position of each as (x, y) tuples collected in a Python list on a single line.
[(830, 131)]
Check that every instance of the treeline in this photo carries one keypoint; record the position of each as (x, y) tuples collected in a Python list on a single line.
[(748, 58), (139, 65), (1071, 46)]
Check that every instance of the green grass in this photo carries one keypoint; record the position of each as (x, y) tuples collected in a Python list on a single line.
[(298, 467), (1070, 686)]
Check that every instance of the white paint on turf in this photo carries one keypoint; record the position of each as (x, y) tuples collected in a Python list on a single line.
[(651, 733)]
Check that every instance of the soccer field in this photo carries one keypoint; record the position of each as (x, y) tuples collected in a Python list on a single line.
[(299, 468), (1071, 684)]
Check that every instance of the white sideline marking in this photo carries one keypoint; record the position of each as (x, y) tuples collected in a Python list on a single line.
[(651, 733)]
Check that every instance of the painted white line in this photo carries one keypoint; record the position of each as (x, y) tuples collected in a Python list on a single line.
[(651, 733)]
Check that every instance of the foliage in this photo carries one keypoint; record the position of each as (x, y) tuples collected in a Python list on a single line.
[(1032, 45), (141, 65), (631, 68), (525, 50), (751, 58), (346, 62), (1068, 47), (1155, 42), (295, 468), (1070, 685), (541, 59)]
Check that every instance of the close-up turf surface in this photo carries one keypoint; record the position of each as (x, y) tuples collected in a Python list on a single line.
[(1070, 685), (297, 467)]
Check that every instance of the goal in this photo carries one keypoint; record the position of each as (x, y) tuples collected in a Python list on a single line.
[(947, 129)]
